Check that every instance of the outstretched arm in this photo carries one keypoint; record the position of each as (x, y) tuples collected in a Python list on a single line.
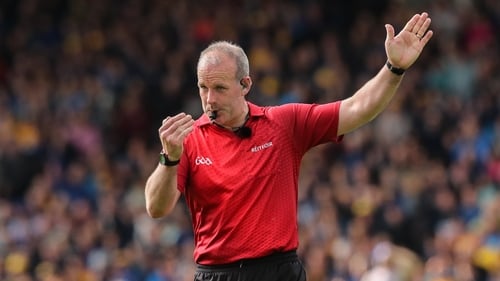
[(372, 98)]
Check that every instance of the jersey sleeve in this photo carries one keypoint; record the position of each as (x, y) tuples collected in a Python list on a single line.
[(182, 172), (312, 124)]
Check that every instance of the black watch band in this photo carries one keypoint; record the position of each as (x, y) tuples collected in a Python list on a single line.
[(395, 70), (167, 162)]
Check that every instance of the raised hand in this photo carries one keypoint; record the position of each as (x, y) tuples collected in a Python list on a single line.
[(172, 133), (403, 49)]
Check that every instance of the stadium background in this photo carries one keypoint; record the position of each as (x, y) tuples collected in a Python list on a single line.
[(84, 86)]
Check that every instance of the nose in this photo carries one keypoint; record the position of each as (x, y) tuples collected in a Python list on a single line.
[(210, 96)]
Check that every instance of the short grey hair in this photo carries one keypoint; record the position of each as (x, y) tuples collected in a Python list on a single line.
[(233, 51)]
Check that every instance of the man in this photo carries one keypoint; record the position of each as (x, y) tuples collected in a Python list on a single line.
[(238, 164)]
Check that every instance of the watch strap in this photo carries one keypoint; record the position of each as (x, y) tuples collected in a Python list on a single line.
[(395, 70), (167, 162)]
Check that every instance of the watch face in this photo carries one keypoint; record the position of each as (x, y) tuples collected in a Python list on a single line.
[(163, 159)]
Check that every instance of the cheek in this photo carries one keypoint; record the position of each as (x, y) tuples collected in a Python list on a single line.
[(203, 97), (203, 100), (204, 104)]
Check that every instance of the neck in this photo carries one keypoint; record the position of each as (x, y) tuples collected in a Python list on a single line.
[(234, 129)]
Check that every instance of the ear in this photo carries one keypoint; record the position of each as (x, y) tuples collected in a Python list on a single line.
[(246, 84)]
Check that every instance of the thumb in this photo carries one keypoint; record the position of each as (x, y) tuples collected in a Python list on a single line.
[(390, 32)]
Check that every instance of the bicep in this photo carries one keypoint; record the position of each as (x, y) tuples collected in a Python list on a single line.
[(346, 116), (351, 115)]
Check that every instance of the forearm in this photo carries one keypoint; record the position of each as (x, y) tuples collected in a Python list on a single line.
[(161, 191), (371, 99), (377, 93)]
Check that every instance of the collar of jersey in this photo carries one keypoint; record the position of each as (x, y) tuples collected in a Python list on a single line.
[(255, 111)]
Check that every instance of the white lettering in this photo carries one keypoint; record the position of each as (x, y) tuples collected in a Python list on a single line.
[(262, 147), (203, 161)]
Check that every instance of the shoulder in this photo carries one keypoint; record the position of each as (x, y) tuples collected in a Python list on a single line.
[(297, 110), (288, 109), (272, 109)]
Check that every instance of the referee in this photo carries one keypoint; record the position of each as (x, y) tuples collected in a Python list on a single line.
[(238, 164)]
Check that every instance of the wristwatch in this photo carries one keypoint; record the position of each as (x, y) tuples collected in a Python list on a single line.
[(167, 162), (395, 70)]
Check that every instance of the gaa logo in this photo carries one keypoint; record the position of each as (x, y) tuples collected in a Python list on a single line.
[(203, 161)]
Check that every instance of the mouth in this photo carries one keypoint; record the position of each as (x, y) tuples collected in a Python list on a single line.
[(212, 115)]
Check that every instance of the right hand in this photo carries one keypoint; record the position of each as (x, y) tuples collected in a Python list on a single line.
[(173, 131)]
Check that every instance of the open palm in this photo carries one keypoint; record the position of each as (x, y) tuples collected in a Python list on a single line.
[(403, 49)]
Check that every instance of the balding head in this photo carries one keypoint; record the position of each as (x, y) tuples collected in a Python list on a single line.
[(212, 56)]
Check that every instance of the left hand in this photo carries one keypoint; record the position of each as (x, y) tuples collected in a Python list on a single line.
[(403, 50)]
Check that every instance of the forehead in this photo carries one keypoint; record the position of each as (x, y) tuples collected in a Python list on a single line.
[(216, 65)]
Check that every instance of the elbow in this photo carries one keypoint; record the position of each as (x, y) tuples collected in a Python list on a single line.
[(156, 212)]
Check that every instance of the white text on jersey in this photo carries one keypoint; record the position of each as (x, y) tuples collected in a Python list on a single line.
[(262, 147), (203, 161)]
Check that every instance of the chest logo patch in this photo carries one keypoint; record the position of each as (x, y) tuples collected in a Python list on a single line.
[(258, 148), (200, 160)]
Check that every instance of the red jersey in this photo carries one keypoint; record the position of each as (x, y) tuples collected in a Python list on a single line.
[(242, 192)]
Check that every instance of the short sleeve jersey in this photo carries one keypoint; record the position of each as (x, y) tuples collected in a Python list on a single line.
[(242, 192)]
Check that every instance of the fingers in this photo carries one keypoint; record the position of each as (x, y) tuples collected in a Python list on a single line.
[(175, 121), (426, 37), (184, 128), (410, 25), (418, 25), (174, 129), (422, 25), (174, 118)]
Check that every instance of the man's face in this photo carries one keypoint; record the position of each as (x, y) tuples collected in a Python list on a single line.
[(219, 88)]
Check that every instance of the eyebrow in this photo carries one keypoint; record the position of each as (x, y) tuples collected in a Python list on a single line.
[(215, 84)]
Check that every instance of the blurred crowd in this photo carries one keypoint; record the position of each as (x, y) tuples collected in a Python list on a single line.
[(84, 85)]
